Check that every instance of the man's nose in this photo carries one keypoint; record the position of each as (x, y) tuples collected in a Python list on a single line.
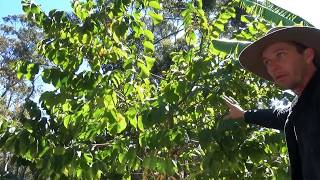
[(273, 66)]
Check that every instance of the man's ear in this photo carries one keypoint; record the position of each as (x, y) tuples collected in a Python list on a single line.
[(309, 55)]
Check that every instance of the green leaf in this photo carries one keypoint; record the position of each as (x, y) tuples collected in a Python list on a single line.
[(59, 150), (121, 157), (128, 157), (19, 75), (191, 38), (26, 6), (245, 19), (85, 39), (154, 5), (140, 92), (126, 2), (66, 107), (120, 29), (219, 26), (228, 46), (272, 13), (28, 127), (150, 162), (145, 71), (35, 9), (79, 10), (140, 123), (149, 35), (170, 167), (45, 149), (156, 115), (150, 61), (131, 156), (88, 158), (157, 18), (23, 144), (122, 124), (128, 89), (200, 4), (131, 115), (66, 121), (148, 46)]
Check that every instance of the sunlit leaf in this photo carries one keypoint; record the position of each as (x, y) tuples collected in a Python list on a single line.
[(157, 18), (154, 4)]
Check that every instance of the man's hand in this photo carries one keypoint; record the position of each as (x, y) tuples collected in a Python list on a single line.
[(235, 110)]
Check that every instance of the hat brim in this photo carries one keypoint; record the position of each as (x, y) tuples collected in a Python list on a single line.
[(251, 57)]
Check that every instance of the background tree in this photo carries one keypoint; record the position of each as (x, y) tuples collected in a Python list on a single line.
[(18, 40), (139, 120)]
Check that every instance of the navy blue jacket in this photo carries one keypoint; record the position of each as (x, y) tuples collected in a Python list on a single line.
[(301, 124)]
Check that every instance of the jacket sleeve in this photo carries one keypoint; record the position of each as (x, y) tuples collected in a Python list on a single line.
[(268, 118)]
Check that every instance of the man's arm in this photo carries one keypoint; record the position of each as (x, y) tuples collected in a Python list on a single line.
[(267, 118)]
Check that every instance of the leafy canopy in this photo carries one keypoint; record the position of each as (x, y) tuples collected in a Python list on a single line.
[(128, 122)]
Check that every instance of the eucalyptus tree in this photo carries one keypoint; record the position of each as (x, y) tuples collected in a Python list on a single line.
[(18, 41)]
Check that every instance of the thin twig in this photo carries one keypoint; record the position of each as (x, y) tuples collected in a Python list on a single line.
[(174, 33)]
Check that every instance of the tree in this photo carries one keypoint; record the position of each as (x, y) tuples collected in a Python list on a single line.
[(121, 123), (18, 40)]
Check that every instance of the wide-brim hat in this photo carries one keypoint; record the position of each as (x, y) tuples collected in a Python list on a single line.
[(251, 57)]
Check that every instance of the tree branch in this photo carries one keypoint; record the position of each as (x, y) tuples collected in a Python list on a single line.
[(174, 33)]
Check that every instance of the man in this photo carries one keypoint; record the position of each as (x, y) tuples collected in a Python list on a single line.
[(288, 56)]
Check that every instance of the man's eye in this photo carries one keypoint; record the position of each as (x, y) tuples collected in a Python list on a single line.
[(280, 54), (266, 62)]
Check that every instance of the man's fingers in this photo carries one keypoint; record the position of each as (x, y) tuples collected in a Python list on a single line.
[(227, 100), (233, 100), (230, 100)]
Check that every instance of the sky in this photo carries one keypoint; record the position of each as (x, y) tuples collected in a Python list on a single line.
[(11, 7), (307, 9)]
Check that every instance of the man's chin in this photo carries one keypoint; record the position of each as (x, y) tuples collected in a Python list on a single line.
[(284, 86)]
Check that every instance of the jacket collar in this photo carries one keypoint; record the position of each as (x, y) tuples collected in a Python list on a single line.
[(307, 95)]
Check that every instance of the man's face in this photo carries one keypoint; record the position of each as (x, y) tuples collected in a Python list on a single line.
[(286, 65)]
